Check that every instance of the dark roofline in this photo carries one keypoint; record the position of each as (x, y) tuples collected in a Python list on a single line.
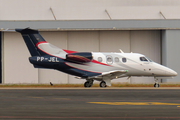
[(93, 25)]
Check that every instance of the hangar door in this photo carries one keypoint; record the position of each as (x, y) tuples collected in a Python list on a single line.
[(17, 68)]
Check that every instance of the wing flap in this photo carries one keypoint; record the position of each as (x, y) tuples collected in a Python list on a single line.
[(112, 74), (115, 72)]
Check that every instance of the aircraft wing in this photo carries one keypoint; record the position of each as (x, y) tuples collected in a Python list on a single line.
[(112, 74), (108, 76)]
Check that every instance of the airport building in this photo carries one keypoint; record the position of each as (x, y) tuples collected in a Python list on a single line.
[(149, 27)]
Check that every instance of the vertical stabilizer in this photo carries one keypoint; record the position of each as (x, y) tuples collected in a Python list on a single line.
[(32, 38)]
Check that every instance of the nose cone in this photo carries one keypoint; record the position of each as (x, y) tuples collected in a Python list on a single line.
[(164, 71), (171, 72)]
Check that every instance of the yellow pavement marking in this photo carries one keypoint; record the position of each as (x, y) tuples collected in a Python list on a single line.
[(178, 106), (134, 103)]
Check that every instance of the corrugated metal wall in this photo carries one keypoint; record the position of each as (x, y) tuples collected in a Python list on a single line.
[(17, 68)]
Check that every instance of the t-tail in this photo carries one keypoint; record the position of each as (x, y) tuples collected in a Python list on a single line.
[(43, 54), (37, 45), (32, 39)]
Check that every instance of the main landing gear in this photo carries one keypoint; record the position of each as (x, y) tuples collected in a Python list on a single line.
[(156, 84), (89, 83), (103, 84)]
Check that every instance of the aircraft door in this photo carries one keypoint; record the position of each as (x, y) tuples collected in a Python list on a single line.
[(146, 64)]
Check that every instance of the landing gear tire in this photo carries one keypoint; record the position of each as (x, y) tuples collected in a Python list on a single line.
[(156, 85), (103, 84), (88, 84)]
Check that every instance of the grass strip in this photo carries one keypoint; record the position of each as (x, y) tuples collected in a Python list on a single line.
[(82, 85)]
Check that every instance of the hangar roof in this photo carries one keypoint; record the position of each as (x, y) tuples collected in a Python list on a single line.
[(92, 25)]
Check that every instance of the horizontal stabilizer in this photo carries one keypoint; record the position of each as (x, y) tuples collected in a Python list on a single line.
[(27, 31)]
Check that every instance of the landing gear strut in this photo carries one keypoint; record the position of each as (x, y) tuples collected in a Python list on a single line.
[(103, 84), (156, 84), (88, 83)]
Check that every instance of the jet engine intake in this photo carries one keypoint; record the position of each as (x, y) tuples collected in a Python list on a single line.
[(80, 57)]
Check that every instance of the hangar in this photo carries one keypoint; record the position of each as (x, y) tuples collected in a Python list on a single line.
[(140, 26)]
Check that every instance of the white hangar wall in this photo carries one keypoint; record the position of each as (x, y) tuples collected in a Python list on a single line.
[(16, 67), (88, 9), (19, 70)]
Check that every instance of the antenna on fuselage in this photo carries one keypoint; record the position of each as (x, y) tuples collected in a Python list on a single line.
[(121, 51)]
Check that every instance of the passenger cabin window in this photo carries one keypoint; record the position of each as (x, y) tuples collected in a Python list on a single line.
[(109, 59), (124, 60), (116, 59), (143, 59), (99, 59)]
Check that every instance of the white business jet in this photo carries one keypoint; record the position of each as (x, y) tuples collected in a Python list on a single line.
[(91, 66)]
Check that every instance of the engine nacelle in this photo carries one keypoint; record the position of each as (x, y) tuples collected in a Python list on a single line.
[(80, 57)]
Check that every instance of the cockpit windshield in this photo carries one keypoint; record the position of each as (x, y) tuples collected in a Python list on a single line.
[(145, 59), (149, 59)]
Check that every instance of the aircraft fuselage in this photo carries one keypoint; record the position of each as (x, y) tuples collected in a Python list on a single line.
[(91, 65), (104, 62)]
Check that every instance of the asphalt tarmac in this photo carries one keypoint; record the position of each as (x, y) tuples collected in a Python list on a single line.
[(85, 104)]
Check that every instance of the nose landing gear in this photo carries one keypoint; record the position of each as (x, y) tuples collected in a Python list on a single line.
[(156, 84)]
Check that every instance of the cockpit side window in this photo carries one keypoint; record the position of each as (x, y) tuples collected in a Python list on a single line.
[(143, 59), (124, 60)]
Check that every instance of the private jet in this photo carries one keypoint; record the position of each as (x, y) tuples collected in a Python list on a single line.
[(91, 66)]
